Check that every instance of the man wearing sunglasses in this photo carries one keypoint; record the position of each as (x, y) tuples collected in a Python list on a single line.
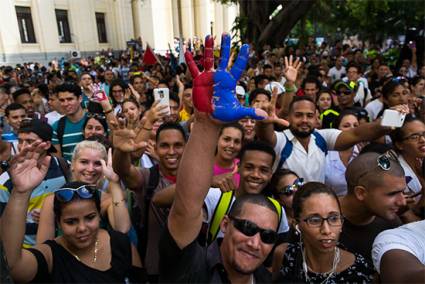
[(250, 226), (32, 131), (376, 184)]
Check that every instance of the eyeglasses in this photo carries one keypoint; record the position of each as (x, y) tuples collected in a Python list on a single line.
[(250, 229), (334, 220), (95, 115), (399, 79), (290, 189), (415, 136), (66, 194)]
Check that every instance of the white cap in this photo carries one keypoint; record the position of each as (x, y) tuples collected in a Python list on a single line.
[(280, 89), (240, 91)]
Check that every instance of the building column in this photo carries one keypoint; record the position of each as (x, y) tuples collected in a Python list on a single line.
[(202, 18), (186, 12)]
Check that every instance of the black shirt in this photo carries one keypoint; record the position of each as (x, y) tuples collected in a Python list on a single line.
[(359, 239), (196, 264)]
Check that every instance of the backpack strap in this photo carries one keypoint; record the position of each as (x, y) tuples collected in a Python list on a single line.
[(278, 209), (220, 210), (321, 142), (152, 185), (61, 131), (63, 164), (286, 152)]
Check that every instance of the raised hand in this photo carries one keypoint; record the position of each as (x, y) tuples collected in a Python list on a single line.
[(29, 168), (202, 81), (107, 169), (291, 69), (270, 108), (124, 134), (214, 92)]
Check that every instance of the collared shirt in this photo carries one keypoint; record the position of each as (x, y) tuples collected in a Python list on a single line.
[(335, 171), (196, 264), (310, 164)]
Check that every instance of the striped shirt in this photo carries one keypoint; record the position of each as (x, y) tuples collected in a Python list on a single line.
[(72, 135), (53, 180)]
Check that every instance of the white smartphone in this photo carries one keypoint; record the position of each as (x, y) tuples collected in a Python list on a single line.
[(163, 96), (392, 118)]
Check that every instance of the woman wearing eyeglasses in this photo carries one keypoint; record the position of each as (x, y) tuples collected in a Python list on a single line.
[(316, 258), (409, 143), (84, 253)]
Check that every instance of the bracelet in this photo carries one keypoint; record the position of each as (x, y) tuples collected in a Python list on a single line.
[(116, 203), (108, 111), (290, 89), (148, 129)]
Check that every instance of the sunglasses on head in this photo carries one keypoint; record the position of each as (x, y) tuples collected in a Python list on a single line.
[(290, 189), (250, 229), (95, 115), (383, 162), (66, 194)]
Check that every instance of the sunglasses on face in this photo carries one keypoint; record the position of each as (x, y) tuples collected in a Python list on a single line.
[(346, 93), (250, 229), (291, 189), (66, 194)]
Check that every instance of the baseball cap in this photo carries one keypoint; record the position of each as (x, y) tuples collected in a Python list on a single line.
[(41, 128), (340, 84)]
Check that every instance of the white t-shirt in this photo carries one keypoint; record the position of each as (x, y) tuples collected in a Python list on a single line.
[(211, 202), (374, 108), (410, 238), (411, 179), (308, 165), (336, 74), (52, 117)]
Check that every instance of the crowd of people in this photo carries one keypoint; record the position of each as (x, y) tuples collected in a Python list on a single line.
[(260, 167)]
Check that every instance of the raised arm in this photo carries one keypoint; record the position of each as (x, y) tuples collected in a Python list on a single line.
[(118, 214), (124, 140), (365, 132), (27, 171)]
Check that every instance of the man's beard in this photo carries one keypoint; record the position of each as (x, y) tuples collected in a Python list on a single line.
[(301, 134)]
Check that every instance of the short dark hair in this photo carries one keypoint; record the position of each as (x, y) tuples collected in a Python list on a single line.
[(307, 190), (169, 126), (257, 199), (70, 88), (257, 146), (12, 107), (267, 66), (343, 114), (235, 125), (310, 79), (299, 99), (259, 78), (355, 65), (57, 204), (24, 91), (389, 87), (175, 97), (256, 92)]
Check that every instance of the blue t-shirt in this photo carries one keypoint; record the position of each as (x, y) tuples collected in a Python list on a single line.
[(72, 135)]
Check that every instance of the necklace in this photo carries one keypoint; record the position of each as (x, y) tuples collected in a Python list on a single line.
[(96, 249), (337, 258)]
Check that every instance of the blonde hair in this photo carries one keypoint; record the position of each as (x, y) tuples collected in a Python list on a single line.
[(93, 145)]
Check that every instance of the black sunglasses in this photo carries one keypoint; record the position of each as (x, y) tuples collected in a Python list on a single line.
[(95, 115), (250, 229), (66, 194)]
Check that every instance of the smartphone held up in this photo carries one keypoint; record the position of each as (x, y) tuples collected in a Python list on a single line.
[(163, 96)]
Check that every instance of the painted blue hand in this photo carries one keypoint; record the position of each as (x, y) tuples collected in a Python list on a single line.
[(226, 106)]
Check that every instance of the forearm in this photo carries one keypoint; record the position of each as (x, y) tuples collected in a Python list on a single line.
[(13, 226), (185, 218), (164, 197), (121, 162), (365, 132), (46, 226), (265, 132), (118, 212)]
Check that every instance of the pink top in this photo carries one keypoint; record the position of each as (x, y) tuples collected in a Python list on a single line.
[(219, 170)]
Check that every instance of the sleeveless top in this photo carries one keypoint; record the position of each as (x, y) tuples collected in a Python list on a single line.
[(67, 269)]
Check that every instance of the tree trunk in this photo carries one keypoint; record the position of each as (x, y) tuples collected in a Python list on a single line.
[(281, 25)]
